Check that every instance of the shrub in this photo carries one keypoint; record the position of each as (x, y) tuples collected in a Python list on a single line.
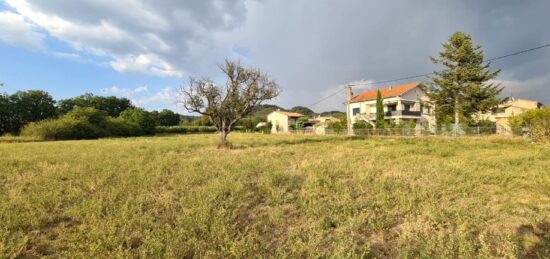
[(337, 127), (117, 127), (81, 123), (266, 128), (537, 121), (361, 124), (63, 128)]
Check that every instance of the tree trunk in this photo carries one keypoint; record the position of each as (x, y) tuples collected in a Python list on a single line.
[(457, 115), (223, 136)]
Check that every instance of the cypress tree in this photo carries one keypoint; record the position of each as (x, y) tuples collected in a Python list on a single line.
[(379, 111)]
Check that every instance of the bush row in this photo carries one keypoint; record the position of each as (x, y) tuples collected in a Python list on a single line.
[(86, 123)]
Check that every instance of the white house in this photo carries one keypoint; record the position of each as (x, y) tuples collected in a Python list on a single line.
[(402, 103), (282, 121)]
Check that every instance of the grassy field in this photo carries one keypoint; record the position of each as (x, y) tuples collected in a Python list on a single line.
[(275, 196)]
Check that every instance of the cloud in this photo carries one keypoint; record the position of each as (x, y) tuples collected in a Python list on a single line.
[(165, 96), (126, 92), (165, 38), (145, 64), (534, 88), (17, 31), (309, 48)]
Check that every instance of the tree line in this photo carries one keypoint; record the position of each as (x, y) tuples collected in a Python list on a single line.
[(25, 107)]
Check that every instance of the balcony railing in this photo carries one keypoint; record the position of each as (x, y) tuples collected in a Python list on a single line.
[(402, 113)]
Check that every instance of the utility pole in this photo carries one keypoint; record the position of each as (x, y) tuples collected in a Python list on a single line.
[(348, 110)]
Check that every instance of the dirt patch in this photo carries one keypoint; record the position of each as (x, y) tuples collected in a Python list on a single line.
[(66, 221)]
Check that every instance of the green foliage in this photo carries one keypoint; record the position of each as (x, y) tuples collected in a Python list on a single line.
[(5, 114), (336, 114), (337, 126), (81, 123), (516, 124), (22, 107), (202, 121), (249, 123), (464, 87), (187, 119), (266, 128), (166, 118), (361, 124), (537, 121), (140, 117), (110, 104), (379, 110)]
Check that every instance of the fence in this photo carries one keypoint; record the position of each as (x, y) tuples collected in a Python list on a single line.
[(461, 131)]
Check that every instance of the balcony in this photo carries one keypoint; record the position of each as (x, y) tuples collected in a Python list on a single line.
[(402, 113)]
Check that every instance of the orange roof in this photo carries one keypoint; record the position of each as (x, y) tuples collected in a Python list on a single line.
[(387, 92), (291, 114)]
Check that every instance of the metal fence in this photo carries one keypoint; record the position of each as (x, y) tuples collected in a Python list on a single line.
[(411, 132)]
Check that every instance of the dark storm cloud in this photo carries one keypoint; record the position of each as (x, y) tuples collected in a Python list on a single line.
[(310, 47)]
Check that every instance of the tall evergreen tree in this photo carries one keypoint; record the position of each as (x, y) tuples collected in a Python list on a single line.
[(462, 89), (379, 110)]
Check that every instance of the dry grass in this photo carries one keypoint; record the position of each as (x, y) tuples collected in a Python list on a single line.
[(275, 196)]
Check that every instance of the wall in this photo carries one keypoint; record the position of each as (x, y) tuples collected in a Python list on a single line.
[(278, 121)]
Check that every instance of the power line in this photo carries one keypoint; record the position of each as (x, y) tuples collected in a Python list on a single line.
[(518, 53), (431, 73)]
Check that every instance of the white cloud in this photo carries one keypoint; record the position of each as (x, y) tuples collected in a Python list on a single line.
[(68, 56), (166, 95), (146, 64), (126, 92), (141, 89), (17, 31), (140, 36)]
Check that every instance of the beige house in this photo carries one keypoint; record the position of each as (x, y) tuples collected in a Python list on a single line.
[(402, 103), (510, 107), (281, 120), (326, 119)]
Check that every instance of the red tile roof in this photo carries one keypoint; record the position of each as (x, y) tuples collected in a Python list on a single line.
[(387, 92)]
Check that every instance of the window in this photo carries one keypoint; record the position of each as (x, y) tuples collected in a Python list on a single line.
[(355, 111), (392, 107), (407, 107)]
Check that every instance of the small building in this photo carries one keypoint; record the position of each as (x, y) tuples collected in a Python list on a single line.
[(282, 121), (402, 103), (510, 107)]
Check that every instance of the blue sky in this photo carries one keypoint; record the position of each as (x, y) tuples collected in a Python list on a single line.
[(145, 49), (66, 77)]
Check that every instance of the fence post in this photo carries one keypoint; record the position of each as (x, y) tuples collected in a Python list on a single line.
[(478, 130)]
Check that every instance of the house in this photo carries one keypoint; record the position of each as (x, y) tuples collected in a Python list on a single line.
[(326, 119), (282, 121), (510, 107), (402, 103)]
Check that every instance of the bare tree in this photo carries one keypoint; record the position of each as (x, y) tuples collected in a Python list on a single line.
[(224, 106)]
